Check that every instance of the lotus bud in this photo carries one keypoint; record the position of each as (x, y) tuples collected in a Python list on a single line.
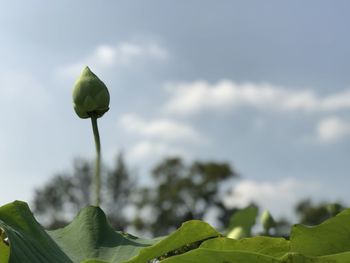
[(333, 209), (267, 221), (236, 233), (90, 95)]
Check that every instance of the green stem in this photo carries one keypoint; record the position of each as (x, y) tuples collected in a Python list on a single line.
[(97, 180)]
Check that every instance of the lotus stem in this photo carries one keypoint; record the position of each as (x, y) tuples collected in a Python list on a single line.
[(97, 178)]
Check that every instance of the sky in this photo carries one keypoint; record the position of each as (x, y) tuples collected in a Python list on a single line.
[(263, 85)]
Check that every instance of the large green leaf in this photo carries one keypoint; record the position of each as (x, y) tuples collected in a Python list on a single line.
[(29, 242), (4, 248), (330, 237), (325, 243), (89, 238), (270, 246), (203, 255), (335, 258), (189, 232)]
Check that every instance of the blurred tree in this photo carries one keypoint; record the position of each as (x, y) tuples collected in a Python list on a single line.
[(311, 214), (281, 228), (119, 185), (180, 193), (62, 197)]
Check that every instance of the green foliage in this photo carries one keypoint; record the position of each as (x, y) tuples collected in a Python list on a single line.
[(28, 240), (90, 239), (328, 242), (331, 237), (243, 220), (4, 248)]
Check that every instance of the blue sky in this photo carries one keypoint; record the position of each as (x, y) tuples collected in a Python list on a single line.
[(263, 85)]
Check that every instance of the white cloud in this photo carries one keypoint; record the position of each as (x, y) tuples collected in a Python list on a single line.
[(161, 129), (332, 129), (152, 151), (195, 97), (157, 138), (278, 196), (122, 54)]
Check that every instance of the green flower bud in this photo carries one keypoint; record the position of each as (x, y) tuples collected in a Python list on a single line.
[(90, 95), (267, 221), (236, 233), (333, 209)]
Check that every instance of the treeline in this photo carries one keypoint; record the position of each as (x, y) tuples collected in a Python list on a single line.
[(174, 193)]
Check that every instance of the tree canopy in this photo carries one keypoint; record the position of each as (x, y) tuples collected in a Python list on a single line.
[(177, 193), (65, 194), (180, 193)]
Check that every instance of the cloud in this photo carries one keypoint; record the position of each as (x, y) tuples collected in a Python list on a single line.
[(161, 129), (332, 129), (195, 97), (277, 196), (152, 151), (160, 137), (122, 54)]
